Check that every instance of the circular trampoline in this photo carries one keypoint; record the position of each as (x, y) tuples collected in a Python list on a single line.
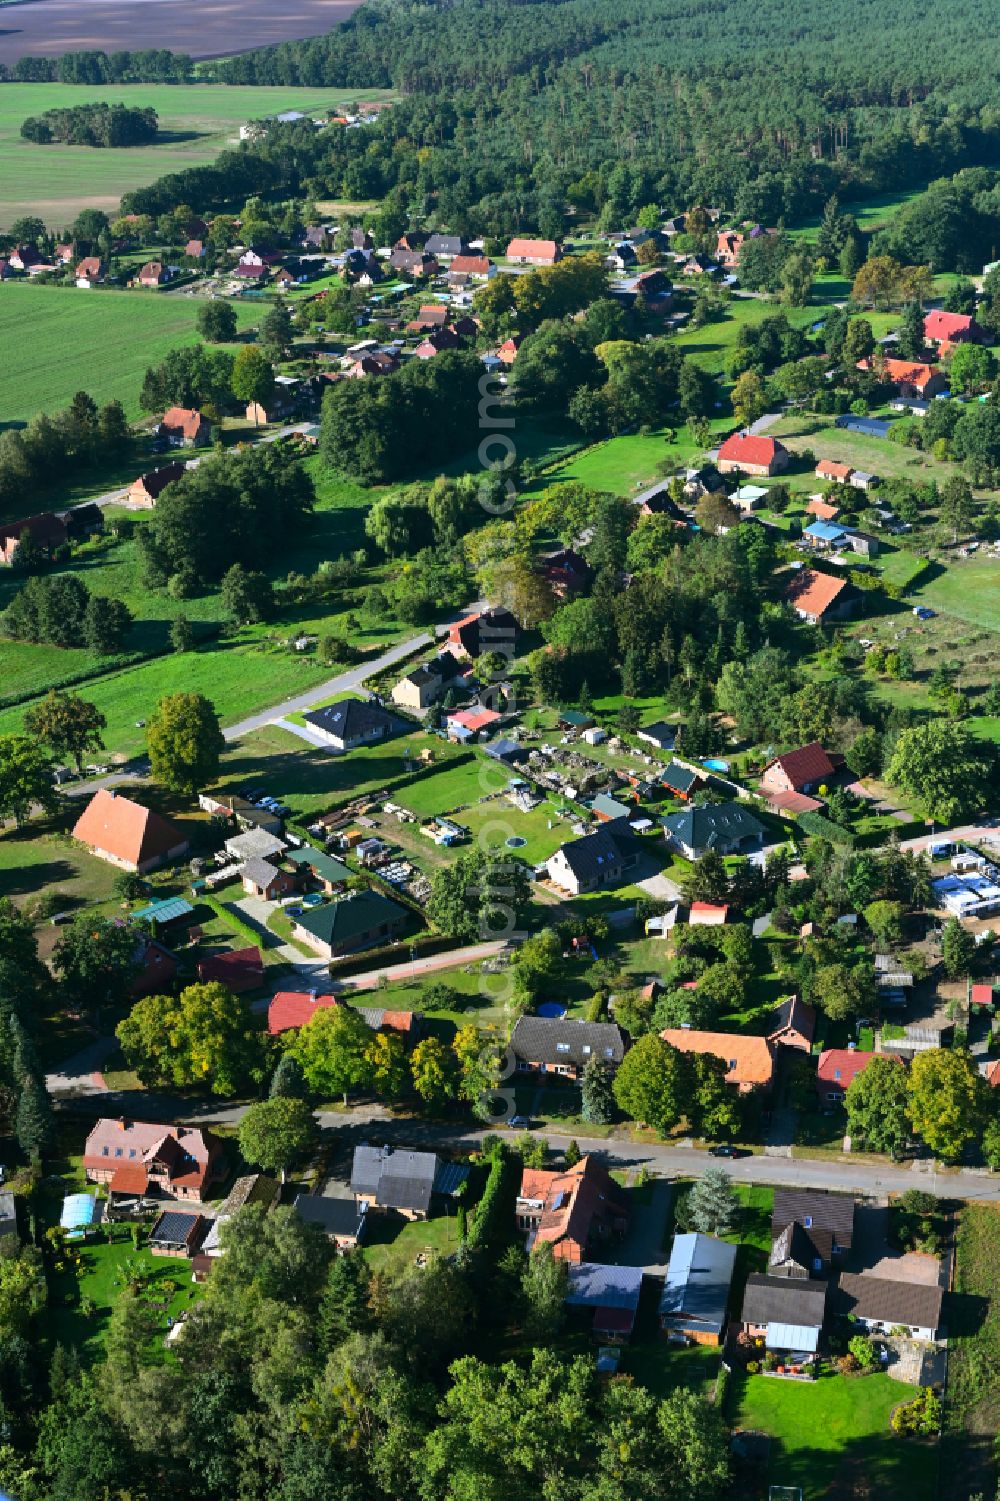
[(515, 842)]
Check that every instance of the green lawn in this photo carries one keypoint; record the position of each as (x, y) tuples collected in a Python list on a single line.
[(968, 588), (626, 464), (713, 345), (196, 121), (60, 340), (33, 861), (393, 1244), (492, 824), (833, 1434), (99, 1270), (312, 780), (454, 787)]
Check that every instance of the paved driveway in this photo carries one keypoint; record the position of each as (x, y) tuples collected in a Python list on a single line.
[(643, 1245), (872, 1254)]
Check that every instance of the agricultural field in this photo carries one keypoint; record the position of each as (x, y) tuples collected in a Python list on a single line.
[(60, 340), (237, 678), (197, 121)]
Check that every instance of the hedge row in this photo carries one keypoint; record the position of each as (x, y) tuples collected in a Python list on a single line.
[(822, 828), (496, 1211), (395, 953), (84, 675)]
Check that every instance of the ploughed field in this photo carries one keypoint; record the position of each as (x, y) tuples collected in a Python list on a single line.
[(211, 28)]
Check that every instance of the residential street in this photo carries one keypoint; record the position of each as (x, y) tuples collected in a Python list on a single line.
[(375, 1123)]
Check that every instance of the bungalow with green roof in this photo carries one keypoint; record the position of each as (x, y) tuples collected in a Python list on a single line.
[(329, 873), (729, 828), (363, 920)]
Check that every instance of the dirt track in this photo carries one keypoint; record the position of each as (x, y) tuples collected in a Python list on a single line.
[(212, 28)]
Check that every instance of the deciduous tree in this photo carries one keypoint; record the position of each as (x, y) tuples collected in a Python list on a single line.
[(277, 1132), (67, 724), (332, 1048), (205, 1036), (940, 766), (947, 1099), (650, 1085), (25, 778), (185, 742), (877, 1102)]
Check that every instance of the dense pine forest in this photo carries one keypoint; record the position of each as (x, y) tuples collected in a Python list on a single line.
[(522, 115), (512, 111)]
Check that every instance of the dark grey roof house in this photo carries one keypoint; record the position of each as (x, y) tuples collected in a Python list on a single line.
[(342, 1220), (392, 1178), (729, 828), (789, 1313), (811, 1229), (599, 859), (446, 245), (352, 722), (661, 734), (543, 1044), (881, 1305)]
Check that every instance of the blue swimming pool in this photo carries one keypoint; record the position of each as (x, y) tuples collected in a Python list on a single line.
[(552, 1009), (716, 765)]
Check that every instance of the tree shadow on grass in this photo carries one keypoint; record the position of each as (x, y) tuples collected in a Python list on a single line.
[(26, 879)]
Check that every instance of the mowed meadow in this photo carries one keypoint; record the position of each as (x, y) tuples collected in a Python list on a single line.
[(197, 121), (59, 340)]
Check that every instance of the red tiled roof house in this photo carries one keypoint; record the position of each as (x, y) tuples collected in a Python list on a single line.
[(748, 453), (534, 252), (126, 834), (132, 1157), (799, 770), (952, 328), (911, 377), (185, 426), (836, 1071), (749, 1060), (572, 1210), (817, 597)]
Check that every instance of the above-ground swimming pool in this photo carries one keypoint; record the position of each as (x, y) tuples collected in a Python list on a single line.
[(715, 765), (552, 1009)]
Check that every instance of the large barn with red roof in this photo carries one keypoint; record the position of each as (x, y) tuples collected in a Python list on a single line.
[(124, 833)]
